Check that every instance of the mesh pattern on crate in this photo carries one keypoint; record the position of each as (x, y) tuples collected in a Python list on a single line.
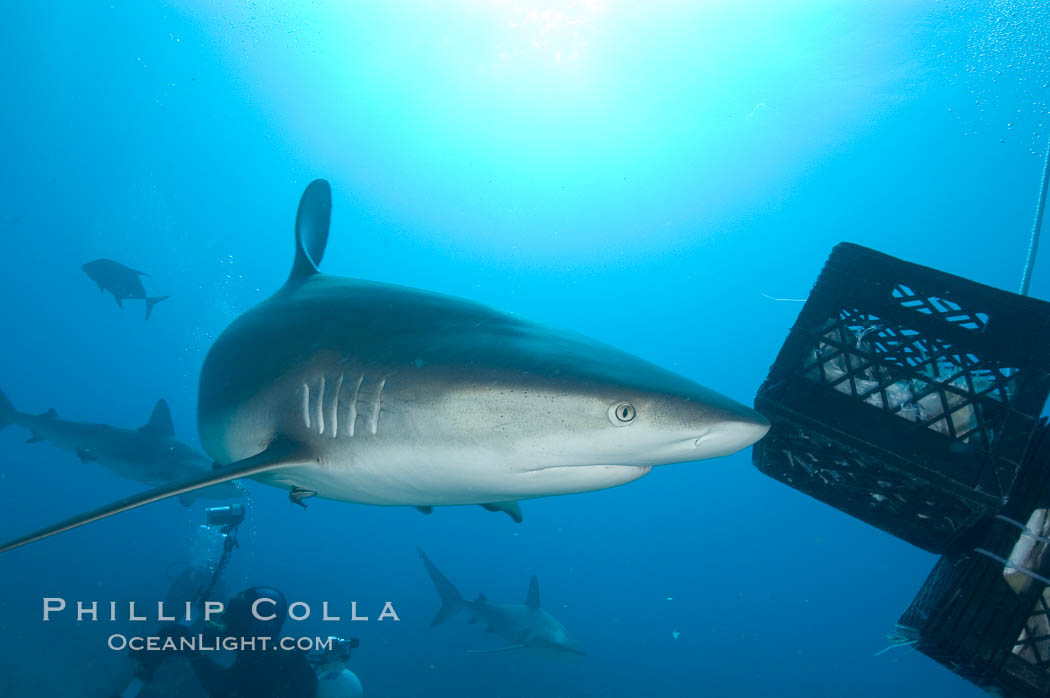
[(919, 378), (1033, 645), (860, 484)]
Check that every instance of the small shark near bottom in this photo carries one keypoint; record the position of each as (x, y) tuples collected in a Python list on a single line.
[(150, 454), (524, 625)]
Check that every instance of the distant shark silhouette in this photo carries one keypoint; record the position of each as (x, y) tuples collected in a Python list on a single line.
[(524, 625), (150, 455), (123, 282), (380, 394)]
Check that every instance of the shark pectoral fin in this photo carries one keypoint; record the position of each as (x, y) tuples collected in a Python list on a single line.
[(85, 456), (160, 421), (510, 508), (426, 510), (280, 454), (509, 648), (311, 229)]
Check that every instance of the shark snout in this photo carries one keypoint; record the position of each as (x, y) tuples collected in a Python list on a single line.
[(730, 436)]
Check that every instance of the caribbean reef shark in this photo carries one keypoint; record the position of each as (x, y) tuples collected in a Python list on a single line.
[(123, 282), (379, 394), (525, 626), (150, 454)]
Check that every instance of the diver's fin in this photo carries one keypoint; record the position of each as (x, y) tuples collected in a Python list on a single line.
[(510, 508), (280, 454), (150, 302), (509, 648), (451, 600), (160, 421), (426, 510), (311, 229)]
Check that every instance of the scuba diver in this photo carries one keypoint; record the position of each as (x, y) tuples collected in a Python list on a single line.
[(255, 673), (261, 672)]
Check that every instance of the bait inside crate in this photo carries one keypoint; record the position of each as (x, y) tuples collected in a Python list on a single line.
[(984, 611), (905, 396)]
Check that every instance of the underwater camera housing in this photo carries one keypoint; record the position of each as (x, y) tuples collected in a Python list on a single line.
[(905, 396), (226, 517)]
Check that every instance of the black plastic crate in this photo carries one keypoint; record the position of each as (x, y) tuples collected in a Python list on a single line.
[(984, 611), (905, 396)]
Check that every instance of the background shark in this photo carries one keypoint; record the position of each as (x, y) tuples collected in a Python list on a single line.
[(150, 454), (123, 282), (524, 625), (380, 394)]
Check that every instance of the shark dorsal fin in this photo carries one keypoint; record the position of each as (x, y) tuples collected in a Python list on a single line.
[(160, 420), (311, 229), (532, 599)]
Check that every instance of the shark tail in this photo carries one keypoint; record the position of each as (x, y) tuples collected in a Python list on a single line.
[(150, 302), (7, 411), (451, 600)]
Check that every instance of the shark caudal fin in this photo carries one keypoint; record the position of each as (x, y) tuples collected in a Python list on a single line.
[(280, 454), (150, 302), (451, 600), (7, 410)]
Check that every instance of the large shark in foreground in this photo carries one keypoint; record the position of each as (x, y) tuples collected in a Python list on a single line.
[(379, 394), (523, 625), (150, 454)]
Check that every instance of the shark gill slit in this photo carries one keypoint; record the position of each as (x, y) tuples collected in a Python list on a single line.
[(353, 406), (306, 405), (334, 419), (377, 404), (320, 408)]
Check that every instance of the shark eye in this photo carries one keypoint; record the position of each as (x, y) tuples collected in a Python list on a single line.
[(621, 414)]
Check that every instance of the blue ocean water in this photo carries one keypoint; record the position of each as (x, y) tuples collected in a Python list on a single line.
[(653, 176)]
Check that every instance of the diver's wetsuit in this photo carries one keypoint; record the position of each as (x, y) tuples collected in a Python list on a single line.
[(258, 674)]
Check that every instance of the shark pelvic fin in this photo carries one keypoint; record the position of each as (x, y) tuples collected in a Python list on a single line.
[(508, 648), (311, 229), (426, 510), (160, 421), (510, 508), (532, 598), (280, 454)]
